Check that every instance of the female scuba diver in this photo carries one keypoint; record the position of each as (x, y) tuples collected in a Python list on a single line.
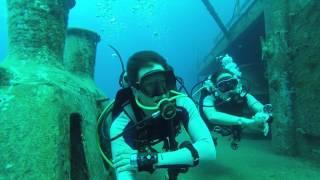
[(224, 99), (150, 111)]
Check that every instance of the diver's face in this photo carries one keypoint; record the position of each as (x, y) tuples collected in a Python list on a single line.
[(226, 84), (152, 82)]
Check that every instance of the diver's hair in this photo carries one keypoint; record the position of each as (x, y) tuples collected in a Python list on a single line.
[(143, 59), (220, 71)]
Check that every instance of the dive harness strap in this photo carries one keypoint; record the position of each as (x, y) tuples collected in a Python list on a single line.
[(194, 152), (128, 110)]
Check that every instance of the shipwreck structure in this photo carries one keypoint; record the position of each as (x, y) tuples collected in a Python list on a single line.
[(49, 103), (276, 44)]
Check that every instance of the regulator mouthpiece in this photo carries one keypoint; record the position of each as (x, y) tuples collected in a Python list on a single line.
[(168, 110)]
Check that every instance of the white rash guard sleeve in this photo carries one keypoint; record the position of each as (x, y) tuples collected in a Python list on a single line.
[(118, 145)]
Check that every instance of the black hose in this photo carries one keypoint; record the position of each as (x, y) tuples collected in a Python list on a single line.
[(182, 86), (122, 66), (118, 54), (194, 86)]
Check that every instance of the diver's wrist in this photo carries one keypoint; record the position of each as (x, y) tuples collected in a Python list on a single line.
[(240, 121), (244, 121), (145, 161), (134, 160)]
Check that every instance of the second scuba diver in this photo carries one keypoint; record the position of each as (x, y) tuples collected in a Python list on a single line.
[(223, 100)]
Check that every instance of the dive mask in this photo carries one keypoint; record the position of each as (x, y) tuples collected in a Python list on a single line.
[(227, 84), (157, 83)]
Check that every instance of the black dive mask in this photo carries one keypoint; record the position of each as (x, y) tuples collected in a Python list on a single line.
[(157, 83), (227, 84)]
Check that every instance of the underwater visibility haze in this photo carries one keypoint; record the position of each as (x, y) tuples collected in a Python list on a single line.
[(60, 64)]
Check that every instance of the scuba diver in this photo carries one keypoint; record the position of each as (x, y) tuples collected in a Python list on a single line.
[(148, 111), (224, 99)]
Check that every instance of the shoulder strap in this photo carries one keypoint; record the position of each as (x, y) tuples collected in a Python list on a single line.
[(124, 101), (128, 110)]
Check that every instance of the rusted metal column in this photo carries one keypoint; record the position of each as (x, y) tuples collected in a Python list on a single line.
[(275, 53), (305, 45)]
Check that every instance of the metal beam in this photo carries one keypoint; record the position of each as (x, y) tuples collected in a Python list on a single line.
[(255, 10), (216, 17)]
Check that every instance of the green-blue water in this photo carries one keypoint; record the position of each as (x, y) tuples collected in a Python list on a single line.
[(184, 33)]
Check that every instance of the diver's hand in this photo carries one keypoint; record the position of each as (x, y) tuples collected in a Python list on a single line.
[(266, 129), (246, 121), (122, 161), (261, 117), (208, 85)]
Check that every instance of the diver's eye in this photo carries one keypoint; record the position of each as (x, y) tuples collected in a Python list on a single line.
[(155, 84), (156, 87), (227, 85)]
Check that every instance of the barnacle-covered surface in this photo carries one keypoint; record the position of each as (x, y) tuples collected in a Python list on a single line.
[(42, 102)]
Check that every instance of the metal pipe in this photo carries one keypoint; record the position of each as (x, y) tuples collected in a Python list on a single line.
[(80, 51), (37, 30)]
